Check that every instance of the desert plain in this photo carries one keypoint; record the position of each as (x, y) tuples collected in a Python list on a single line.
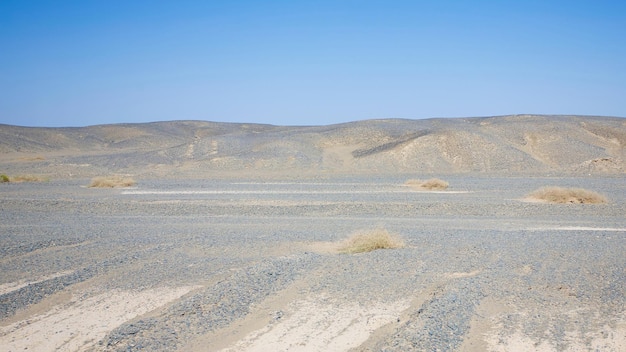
[(230, 238)]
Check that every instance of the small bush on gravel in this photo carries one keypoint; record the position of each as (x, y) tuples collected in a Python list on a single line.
[(111, 182), (367, 241), (560, 195), (431, 184), (28, 178), (4, 178)]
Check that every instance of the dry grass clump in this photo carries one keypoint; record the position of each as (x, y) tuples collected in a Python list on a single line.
[(28, 178), (433, 184), (22, 178), (111, 182), (560, 195), (367, 241)]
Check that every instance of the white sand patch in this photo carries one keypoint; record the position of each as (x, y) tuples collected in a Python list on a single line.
[(532, 200), (16, 285), (321, 325), (277, 192), (80, 324), (443, 192), (579, 228), (312, 183), (461, 275)]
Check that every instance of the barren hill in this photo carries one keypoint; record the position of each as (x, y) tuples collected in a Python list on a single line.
[(517, 144)]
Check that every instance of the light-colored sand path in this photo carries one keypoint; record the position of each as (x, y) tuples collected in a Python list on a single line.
[(80, 323), (321, 324), (16, 285)]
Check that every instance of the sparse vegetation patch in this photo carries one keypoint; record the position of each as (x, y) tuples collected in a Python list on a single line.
[(433, 184), (22, 178), (112, 182), (28, 178), (560, 195), (367, 241)]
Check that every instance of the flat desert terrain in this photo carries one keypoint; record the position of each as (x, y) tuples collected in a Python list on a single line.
[(243, 265), (231, 238)]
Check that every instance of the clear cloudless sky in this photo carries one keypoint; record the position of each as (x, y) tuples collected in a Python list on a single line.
[(84, 62)]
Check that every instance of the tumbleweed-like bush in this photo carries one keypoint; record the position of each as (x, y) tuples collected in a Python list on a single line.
[(367, 241), (111, 182), (433, 184), (560, 195)]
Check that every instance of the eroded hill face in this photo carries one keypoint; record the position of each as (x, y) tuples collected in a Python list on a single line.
[(519, 144)]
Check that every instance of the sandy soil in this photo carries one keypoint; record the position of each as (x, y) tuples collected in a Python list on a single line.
[(609, 339), (78, 324), (14, 286), (487, 329), (319, 324), (314, 324)]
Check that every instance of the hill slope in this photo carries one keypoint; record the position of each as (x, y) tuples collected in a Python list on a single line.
[(518, 144)]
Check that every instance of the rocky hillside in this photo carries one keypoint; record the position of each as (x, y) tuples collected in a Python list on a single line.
[(518, 144)]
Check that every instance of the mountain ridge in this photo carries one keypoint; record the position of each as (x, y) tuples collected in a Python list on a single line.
[(512, 144)]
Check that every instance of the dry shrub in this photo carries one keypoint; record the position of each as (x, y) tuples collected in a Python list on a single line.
[(431, 184), (28, 178), (562, 195), (367, 241), (111, 182)]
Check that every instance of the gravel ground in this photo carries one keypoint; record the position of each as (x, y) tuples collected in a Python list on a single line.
[(478, 261)]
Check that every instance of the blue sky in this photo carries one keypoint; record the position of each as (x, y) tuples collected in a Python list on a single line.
[(76, 63)]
